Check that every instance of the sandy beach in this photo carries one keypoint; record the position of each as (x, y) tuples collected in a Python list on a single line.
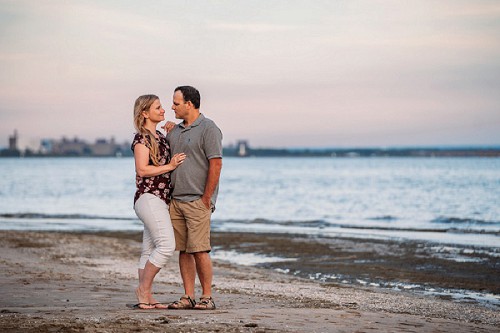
[(80, 282)]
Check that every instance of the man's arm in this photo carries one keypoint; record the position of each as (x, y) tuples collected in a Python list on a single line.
[(214, 169)]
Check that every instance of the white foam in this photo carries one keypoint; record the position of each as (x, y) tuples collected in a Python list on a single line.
[(246, 259)]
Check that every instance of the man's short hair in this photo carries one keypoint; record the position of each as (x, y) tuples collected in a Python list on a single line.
[(190, 94)]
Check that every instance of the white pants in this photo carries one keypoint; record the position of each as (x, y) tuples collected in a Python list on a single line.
[(158, 241)]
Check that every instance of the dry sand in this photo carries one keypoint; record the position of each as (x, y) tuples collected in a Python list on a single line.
[(76, 282)]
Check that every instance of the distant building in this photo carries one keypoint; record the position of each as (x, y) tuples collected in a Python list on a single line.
[(66, 147), (12, 151), (242, 148), (102, 147), (46, 146), (76, 147), (13, 141)]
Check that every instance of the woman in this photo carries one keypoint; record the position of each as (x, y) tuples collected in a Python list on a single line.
[(153, 166)]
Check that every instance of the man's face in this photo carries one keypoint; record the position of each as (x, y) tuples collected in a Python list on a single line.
[(179, 105)]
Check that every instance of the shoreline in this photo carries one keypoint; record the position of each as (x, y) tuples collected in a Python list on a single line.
[(80, 281), (408, 265), (454, 272), (449, 236)]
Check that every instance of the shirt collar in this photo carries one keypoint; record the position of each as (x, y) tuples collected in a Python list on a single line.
[(198, 120)]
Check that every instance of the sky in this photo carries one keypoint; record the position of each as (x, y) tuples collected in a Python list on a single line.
[(276, 73)]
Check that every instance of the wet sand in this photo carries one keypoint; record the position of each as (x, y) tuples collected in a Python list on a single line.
[(80, 282), (373, 261)]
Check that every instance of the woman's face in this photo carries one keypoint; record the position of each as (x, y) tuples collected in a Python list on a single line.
[(155, 113)]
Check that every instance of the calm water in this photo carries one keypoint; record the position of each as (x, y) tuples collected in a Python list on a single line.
[(445, 203), (445, 200)]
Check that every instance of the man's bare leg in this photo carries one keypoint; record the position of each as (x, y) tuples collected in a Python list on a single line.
[(205, 273), (188, 272)]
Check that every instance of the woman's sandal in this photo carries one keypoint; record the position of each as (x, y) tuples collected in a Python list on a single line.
[(205, 303), (180, 305), (159, 305), (140, 306)]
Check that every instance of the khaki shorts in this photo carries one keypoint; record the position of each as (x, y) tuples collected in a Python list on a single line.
[(191, 222)]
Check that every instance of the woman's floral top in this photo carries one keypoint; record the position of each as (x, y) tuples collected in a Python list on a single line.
[(157, 185)]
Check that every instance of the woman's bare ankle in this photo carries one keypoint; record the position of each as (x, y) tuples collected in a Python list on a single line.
[(142, 295)]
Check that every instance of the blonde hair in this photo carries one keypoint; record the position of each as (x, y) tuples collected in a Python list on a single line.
[(143, 103)]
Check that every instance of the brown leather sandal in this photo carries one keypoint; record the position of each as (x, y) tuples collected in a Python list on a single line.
[(181, 305), (205, 303)]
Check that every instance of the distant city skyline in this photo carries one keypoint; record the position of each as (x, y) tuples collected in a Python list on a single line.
[(278, 74), (37, 144), (76, 147)]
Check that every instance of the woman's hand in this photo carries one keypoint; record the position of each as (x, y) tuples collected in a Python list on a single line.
[(169, 126), (177, 160)]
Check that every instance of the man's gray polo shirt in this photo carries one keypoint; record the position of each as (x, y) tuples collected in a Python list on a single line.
[(200, 142)]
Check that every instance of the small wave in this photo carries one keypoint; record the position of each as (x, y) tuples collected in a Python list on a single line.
[(62, 216), (459, 220), (307, 223), (321, 224), (311, 224), (383, 218)]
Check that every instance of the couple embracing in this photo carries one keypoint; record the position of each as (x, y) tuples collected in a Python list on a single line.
[(177, 178)]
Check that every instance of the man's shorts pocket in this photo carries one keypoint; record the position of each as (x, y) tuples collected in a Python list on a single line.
[(201, 205)]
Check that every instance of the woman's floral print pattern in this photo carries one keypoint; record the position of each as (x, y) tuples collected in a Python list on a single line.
[(156, 185)]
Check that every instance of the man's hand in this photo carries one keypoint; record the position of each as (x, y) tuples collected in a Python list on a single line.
[(168, 126), (206, 201), (215, 165)]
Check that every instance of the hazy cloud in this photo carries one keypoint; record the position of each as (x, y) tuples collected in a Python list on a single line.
[(287, 73)]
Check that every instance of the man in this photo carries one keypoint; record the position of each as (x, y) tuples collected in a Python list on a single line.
[(195, 192)]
